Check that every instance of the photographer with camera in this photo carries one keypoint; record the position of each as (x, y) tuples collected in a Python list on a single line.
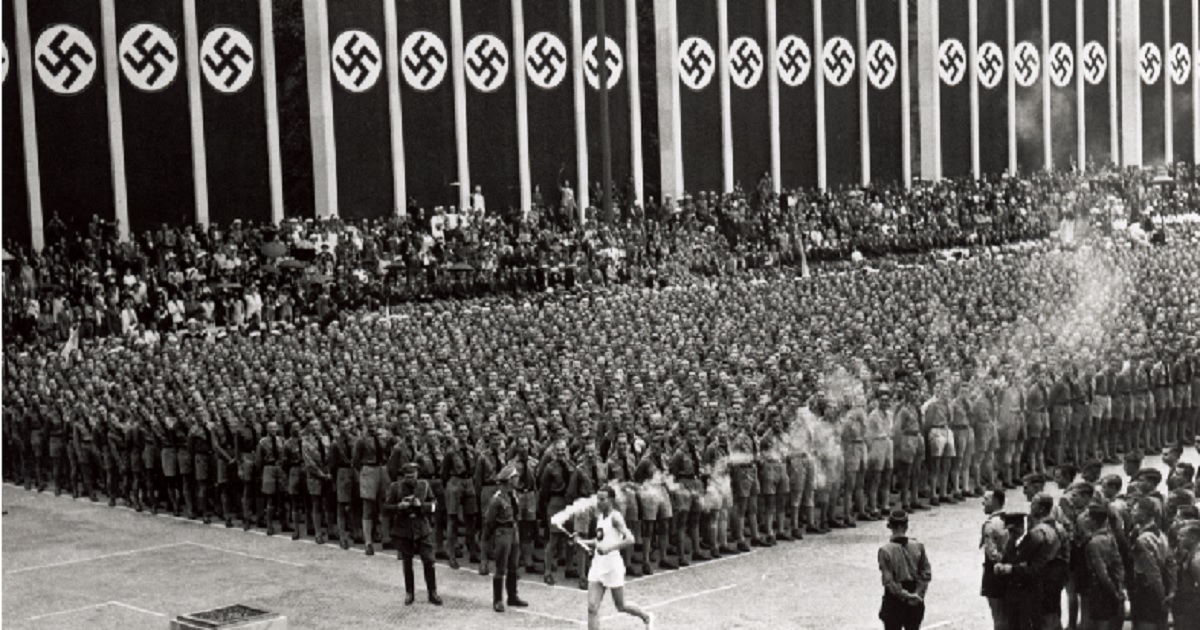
[(410, 502)]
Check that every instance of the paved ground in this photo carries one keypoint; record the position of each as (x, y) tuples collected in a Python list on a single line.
[(72, 564)]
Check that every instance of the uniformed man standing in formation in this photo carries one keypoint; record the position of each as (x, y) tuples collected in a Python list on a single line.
[(500, 529), (410, 503)]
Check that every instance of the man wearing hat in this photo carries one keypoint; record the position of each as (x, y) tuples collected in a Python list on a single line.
[(1020, 590), (1038, 569), (993, 539), (1101, 576), (906, 576), (500, 529), (411, 502)]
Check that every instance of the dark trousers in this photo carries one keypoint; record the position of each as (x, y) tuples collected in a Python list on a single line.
[(507, 550), (897, 614), (411, 547)]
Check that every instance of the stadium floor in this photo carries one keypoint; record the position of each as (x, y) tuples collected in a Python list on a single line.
[(73, 563)]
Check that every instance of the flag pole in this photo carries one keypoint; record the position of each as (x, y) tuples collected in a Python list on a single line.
[(605, 141)]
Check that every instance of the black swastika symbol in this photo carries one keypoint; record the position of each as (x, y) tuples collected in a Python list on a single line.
[(952, 62), (696, 59), (354, 60), (1181, 63), (1061, 64), (227, 60), (66, 59), (424, 57), (746, 61), (610, 60), (882, 62), (839, 63), (990, 64), (793, 60), (1026, 64), (1094, 62), (548, 59), (149, 57), (489, 60), (1151, 62)]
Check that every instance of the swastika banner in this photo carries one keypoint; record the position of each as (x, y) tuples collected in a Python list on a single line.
[(1154, 76), (700, 96), (1096, 65), (618, 94), (154, 104), (1062, 73), (361, 119), (72, 116), (491, 101), (235, 128), (840, 64), (884, 96), (550, 98), (1181, 67), (1027, 65), (748, 92), (954, 91), (794, 59), (427, 97), (991, 70), (16, 193)]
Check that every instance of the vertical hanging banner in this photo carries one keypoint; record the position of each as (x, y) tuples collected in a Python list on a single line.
[(699, 95), (797, 97), (991, 70), (748, 92), (235, 127), (646, 72), (428, 97), (72, 114), (1181, 66), (1026, 66), (154, 102), (491, 101), (16, 224), (840, 63), (551, 103), (1096, 66), (1153, 73), (360, 109), (885, 98), (954, 98), (1061, 69), (618, 92)]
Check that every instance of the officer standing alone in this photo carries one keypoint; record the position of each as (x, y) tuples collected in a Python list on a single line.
[(500, 529), (411, 503)]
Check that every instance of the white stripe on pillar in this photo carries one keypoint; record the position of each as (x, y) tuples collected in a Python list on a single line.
[(274, 160), (864, 105), (726, 114), (973, 88), (905, 102), (773, 94), (116, 121), (1010, 35), (33, 173), (518, 63), (1047, 153), (191, 51), (460, 105), (1131, 84), (818, 63), (1080, 110), (636, 158), (929, 86), (320, 108), (1195, 87), (1114, 129), (1168, 109), (582, 192), (395, 113)]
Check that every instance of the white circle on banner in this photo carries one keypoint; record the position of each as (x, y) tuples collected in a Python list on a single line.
[(546, 60), (882, 63), (1061, 64), (612, 58), (952, 61), (357, 62), (1026, 64), (65, 59), (149, 57), (989, 65), (1181, 63), (485, 61), (1094, 62), (838, 58), (745, 62), (697, 63), (1149, 63), (227, 59), (423, 60), (794, 60)]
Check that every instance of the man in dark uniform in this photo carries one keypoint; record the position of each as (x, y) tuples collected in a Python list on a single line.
[(500, 527), (369, 459), (269, 459), (1020, 590), (906, 576), (553, 477), (56, 429), (297, 487), (685, 467), (314, 447), (410, 502), (224, 465), (245, 451), (487, 464), (88, 454), (1038, 559), (200, 447), (341, 460), (993, 540), (462, 502)]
